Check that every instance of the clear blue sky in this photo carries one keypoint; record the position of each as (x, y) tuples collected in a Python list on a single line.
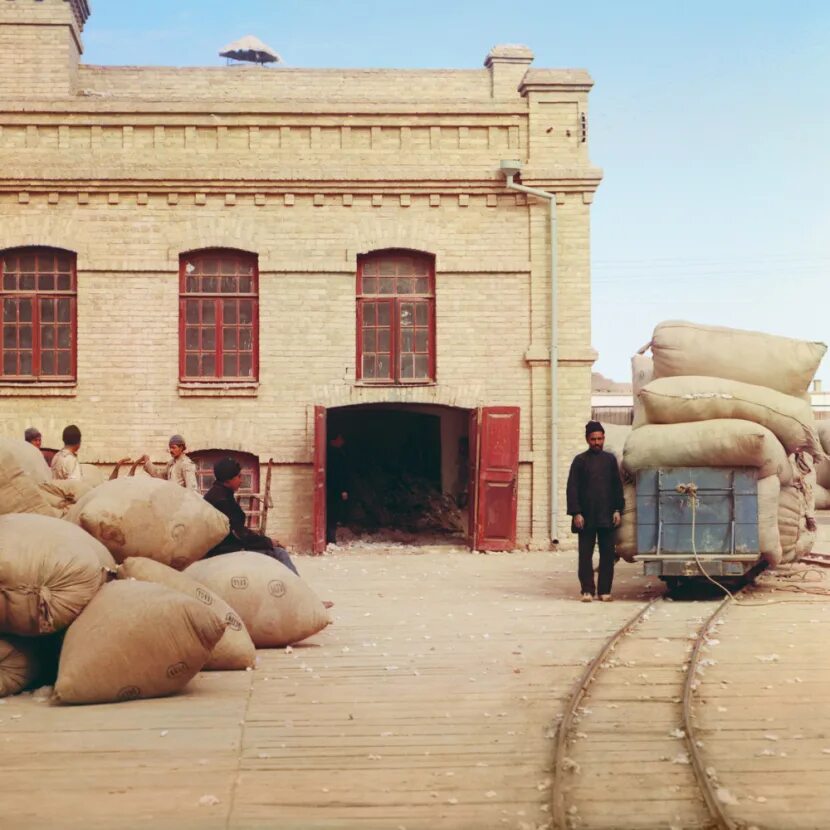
[(710, 119)]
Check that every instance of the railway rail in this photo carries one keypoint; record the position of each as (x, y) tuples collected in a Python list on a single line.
[(632, 759)]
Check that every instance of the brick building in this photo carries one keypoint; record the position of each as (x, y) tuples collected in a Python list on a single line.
[(251, 257)]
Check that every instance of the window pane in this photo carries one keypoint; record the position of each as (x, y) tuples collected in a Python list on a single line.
[(421, 316), (384, 317), (64, 363), (229, 311), (421, 366), (246, 340), (191, 284), (9, 282), (64, 309), (406, 314), (47, 311), (246, 311), (384, 340), (246, 366), (47, 363), (406, 286), (387, 286), (47, 337), (370, 340), (191, 311), (421, 340), (64, 337), (209, 365), (24, 309), (229, 365), (208, 338), (404, 267), (46, 282), (209, 266), (407, 366), (210, 285), (27, 282), (10, 363), (191, 365), (246, 285), (370, 285), (369, 314), (9, 311), (386, 267), (228, 266), (422, 285), (191, 338), (27, 262), (370, 267), (229, 285), (368, 366), (63, 264), (406, 340), (25, 363), (229, 338), (10, 337), (64, 282), (383, 367), (208, 311)]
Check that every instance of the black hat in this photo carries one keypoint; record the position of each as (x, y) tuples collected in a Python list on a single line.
[(225, 469), (71, 436), (593, 426)]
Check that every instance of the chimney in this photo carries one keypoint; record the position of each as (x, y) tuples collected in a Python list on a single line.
[(507, 64), (816, 385)]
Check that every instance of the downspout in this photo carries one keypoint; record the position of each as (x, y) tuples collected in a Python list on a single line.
[(511, 170)]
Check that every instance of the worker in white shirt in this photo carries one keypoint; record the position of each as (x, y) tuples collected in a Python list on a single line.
[(179, 469)]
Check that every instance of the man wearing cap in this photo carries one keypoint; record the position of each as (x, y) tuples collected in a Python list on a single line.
[(32, 436), (595, 501), (179, 469), (222, 496), (65, 464)]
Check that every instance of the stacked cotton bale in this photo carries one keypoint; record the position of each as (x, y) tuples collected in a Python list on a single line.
[(822, 485), (719, 397), (147, 635)]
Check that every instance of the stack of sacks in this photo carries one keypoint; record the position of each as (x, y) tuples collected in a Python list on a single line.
[(723, 397), (26, 484), (821, 489), (625, 537), (152, 518)]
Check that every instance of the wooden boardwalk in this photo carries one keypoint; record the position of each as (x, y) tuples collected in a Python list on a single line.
[(430, 703)]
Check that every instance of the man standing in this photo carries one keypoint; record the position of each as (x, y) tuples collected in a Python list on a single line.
[(595, 500), (65, 464), (32, 435), (222, 496), (180, 469)]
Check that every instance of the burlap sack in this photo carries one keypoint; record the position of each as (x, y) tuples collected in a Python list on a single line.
[(19, 665), (61, 494), (277, 607), (823, 473), (615, 438), (821, 496), (693, 398), (27, 457), (682, 348), (49, 571), (642, 373), (19, 491), (769, 490), (150, 517), (235, 650), (823, 429), (718, 443), (792, 521), (135, 640), (93, 475), (625, 536)]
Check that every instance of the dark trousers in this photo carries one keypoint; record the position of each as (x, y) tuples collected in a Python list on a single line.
[(587, 539), (259, 544)]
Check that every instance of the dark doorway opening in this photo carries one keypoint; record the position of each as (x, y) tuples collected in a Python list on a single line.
[(405, 470)]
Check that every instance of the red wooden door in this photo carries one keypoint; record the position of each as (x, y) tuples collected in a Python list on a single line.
[(497, 479), (319, 462), (472, 487)]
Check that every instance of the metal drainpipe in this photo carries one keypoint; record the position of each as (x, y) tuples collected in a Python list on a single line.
[(554, 352)]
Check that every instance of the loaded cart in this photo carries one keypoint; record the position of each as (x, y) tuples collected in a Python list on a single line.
[(698, 521)]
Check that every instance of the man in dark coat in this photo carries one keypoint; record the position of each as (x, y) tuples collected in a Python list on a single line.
[(595, 500), (222, 496)]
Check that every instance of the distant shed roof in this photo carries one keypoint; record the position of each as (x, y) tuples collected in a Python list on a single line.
[(250, 48)]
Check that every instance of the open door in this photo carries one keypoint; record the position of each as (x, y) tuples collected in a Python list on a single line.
[(319, 461), (496, 491)]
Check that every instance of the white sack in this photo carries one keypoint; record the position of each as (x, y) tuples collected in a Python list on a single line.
[(642, 373), (687, 398), (28, 457), (683, 348), (718, 443), (625, 536), (769, 490)]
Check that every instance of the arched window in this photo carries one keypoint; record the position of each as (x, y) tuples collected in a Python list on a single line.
[(204, 461), (396, 317), (38, 331), (218, 315)]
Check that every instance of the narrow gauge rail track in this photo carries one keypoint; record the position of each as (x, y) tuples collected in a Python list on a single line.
[(630, 760)]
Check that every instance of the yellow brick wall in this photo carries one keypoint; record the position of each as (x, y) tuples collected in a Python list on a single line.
[(320, 166)]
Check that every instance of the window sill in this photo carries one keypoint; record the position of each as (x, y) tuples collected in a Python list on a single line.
[(38, 389), (391, 384), (219, 389)]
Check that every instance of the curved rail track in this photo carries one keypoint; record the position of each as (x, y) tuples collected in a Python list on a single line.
[(631, 758)]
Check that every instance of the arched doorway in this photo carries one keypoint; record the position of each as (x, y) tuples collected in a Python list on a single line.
[(416, 474)]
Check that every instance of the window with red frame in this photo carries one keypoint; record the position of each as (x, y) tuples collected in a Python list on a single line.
[(38, 328), (218, 316), (204, 461), (396, 318)]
